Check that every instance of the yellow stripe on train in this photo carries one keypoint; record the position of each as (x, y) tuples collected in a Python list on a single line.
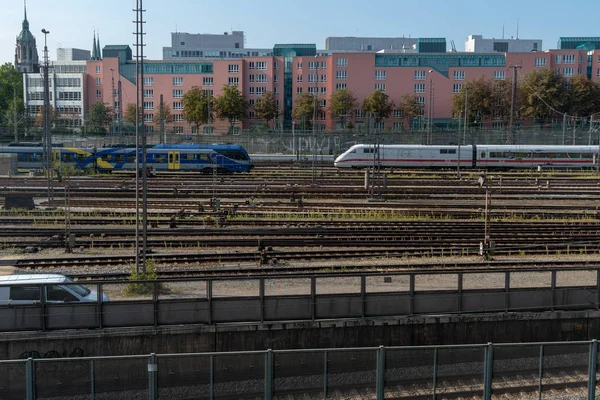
[(103, 164)]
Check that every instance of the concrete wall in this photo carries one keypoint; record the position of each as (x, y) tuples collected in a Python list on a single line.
[(429, 330)]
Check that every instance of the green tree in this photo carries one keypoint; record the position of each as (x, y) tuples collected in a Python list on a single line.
[(585, 97), (129, 116), (164, 113), (39, 118), (304, 108), (378, 104), (100, 116), (230, 105), (197, 107), (342, 104), (410, 108), (266, 107), (541, 92), (501, 100), (11, 87), (480, 94)]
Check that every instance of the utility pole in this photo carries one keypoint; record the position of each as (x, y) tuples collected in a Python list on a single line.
[(112, 96), (15, 115), (564, 128), (162, 120), (513, 105), (47, 121), (314, 133)]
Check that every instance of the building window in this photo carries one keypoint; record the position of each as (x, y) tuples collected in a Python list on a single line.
[(313, 90), (251, 78), (380, 75), (251, 65), (178, 81), (339, 86), (233, 80), (420, 100), (540, 62), (323, 78), (98, 82), (497, 126), (380, 86), (148, 117), (251, 90), (234, 68), (360, 113), (312, 78), (275, 78), (420, 75), (250, 114), (261, 78), (298, 90), (275, 90), (148, 93), (260, 90), (456, 88), (299, 65), (207, 81), (177, 93), (499, 75), (178, 118), (341, 62), (261, 65), (558, 59), (312, 65), (177, 106), (341, 75), (298, 78), (569, 59), (275, 65), (323, 64), (97, 69), (208, 92), (178, 129), (323, 90), (398, 114), (419, 88), (459, 75), (580, 59), (598, 72), (98, 93), (148, 81), (397, 126), (148, 105), (567, 72)]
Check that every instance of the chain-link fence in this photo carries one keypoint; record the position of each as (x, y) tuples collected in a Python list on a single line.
[(533, 370)]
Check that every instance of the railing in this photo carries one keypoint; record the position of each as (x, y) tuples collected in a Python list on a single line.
[(375, 372), (312, 297)]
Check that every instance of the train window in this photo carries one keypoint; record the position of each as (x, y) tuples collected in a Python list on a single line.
[(189, 157), (81, 157), (451, 151), (106, 157), (131, 158), (37, 157), (120, 158), (443, 151), (233, 154), (159, 158), (482, 154), (68, 157), (26, 157), (24, 293)]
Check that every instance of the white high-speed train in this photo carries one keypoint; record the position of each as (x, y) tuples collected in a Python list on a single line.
[(469, 156)]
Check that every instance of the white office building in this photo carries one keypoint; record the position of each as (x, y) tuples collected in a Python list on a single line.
[(478, 44)]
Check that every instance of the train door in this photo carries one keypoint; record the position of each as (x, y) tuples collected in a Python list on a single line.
[(174, 162), (55, 158)]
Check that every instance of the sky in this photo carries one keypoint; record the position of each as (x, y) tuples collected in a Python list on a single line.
[(265, 22)]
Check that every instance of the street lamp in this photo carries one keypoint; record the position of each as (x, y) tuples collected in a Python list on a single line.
[(430, 124), (112, 78)]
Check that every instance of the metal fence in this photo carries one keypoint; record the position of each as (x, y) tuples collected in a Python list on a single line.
[(374, 372), (312, 297), (329, 143)]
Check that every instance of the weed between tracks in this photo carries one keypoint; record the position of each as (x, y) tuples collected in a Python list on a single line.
[(144, 288)]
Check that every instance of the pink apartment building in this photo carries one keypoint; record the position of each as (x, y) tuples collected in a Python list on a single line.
[(295, 69)]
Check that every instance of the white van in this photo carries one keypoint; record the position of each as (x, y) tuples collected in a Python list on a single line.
[(25, 289)]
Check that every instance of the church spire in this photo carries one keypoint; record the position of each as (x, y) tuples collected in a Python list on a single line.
[(94, 48), (99, 49), (25, 22)]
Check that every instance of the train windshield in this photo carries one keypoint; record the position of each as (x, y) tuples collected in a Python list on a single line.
[(233, 154)]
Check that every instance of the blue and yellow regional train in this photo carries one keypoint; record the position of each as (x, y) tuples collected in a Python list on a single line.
[(174, 157)]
